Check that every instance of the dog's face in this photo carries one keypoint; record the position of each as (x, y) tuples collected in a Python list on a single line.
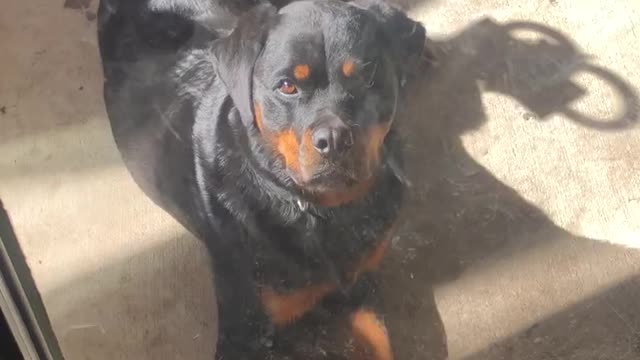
[(324, 83)]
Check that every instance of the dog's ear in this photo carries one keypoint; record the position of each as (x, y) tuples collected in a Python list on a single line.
[(405, 36), (235, 56)]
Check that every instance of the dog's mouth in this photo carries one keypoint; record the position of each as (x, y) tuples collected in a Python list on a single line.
[(336, 188), (334, 183), (331, 180), (341, 178)]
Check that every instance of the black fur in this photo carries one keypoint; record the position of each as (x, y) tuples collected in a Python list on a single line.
[(181, 79)]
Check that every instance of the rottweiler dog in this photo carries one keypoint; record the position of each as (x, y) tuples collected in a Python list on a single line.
[(267, 130)]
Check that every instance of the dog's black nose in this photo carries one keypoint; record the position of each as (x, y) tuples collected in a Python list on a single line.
[(331, 137)]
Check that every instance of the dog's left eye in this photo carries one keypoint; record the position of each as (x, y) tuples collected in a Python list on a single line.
[(287, 87)]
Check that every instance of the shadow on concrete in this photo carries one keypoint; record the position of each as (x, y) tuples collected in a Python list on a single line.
[(408, 5), (460, 217), (616, 336), (457, 202), (157, 304)]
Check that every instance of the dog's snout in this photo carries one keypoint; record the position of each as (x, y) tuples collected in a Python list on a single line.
[(331, 137)]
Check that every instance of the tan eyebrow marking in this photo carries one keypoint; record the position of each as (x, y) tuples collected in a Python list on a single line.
[(348, 67), (301, 72)]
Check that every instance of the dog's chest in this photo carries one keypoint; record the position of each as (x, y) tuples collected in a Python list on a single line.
[(293, 279), (316, 251)]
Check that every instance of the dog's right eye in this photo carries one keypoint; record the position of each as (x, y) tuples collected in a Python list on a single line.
[(287, 87)]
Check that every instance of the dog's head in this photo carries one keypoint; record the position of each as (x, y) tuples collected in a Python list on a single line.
[(319, 82)]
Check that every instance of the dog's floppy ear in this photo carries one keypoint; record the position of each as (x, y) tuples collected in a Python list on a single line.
[(406, 37), (235, 56)]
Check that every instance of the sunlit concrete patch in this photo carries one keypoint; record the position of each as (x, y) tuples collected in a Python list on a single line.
[(80, 148), (117, 274), (154, 304), (69, 223), (585, 179), (511, 291), (604, 326)]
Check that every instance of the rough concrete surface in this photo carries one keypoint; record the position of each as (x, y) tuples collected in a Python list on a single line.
[(521, 241)]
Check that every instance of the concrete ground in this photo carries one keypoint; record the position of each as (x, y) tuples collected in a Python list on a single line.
[(521, 242)]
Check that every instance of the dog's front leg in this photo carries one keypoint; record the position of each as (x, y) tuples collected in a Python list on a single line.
[(366, 321), (244, 330)]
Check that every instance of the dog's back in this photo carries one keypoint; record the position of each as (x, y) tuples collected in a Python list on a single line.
[(155, 68)]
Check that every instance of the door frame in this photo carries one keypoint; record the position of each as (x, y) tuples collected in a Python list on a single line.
[(20, 300)]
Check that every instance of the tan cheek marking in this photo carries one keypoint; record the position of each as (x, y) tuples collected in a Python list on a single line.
[(285, 308), (287, 145), (348, 67), (310, 157), (301, 72), (258, 115), (285, 142), (372, 334)]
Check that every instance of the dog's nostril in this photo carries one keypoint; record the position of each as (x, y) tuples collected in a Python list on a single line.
[(322, 144), (322, 140)]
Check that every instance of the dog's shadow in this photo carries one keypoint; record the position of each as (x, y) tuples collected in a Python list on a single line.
[(458, 213)]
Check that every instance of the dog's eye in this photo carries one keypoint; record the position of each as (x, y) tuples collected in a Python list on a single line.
[(287, 87)]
